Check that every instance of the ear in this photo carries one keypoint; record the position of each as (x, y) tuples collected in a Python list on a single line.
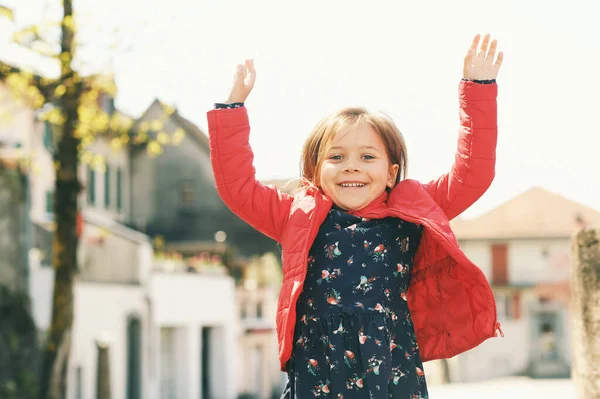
[(392, 175)]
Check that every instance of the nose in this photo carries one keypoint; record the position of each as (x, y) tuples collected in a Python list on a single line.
[(351, 167)]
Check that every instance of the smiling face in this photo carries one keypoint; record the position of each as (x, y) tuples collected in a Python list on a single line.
[(356, 168)]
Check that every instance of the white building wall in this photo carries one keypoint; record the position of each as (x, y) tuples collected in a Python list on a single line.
[(538, 261), (101, 312), (258, 364), (479, 252), (529, 261), (497, 356), (188, 302)]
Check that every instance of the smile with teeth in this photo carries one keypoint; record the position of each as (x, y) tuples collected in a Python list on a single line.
[(353, 184)]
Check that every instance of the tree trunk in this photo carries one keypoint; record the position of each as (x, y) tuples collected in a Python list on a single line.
[(53, 382), (585, 313), (103, 372)]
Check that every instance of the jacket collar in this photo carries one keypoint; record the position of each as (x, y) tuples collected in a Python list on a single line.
[(377, 205)]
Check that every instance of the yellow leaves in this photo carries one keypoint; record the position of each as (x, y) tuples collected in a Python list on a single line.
[(156, 125), (158, 242), (86, 157), (154, 148), (60, 90), (6, 12), (178, 136), (87, 140), (116, 143), (163, 138), (65, 57), (18, 82), (103, 83), (54, 116), (100, 122), (96, 162), (23, 89), (141, 137), (144, 127), (120, 124), (69, 23), (38, 101), (169, 110), (86, 113), (27, 35)]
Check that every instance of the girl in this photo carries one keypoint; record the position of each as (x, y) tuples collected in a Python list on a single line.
[(374, 280)]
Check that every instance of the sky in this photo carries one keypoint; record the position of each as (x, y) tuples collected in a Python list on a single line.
[(401, 57)]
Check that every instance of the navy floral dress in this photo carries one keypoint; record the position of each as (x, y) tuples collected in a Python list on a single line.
[(354, 336)]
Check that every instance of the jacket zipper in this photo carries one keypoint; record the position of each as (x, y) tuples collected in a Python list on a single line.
[(294, 298)]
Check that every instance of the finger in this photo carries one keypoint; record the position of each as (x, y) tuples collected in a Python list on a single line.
[(250, 73), (492, 52), (468, 60), (240, 71), (484, 46), (250, 65), (475, 43), (499, 60), (472, 50), (239, 74)]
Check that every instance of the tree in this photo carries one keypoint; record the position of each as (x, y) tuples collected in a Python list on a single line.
[(585, 312), (70, 104)]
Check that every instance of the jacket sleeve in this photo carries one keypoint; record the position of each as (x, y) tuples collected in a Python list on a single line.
[(263, 207), (475, 160)]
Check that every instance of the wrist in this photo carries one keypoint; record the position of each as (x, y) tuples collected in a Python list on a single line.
[(229, 105), (480, 81)]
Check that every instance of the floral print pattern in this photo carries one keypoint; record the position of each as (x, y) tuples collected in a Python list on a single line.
[(354, 336)]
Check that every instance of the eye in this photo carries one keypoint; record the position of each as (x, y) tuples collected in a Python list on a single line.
[(368, 156), (336, 157)]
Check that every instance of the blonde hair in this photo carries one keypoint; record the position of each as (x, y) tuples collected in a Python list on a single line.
[(319, 140)]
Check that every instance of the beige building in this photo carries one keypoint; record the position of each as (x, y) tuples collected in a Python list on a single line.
[(523, 248)]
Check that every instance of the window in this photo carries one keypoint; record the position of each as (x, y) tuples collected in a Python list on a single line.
[(78, 383), (500, 264), (187, 192), (107, 187), (107, 103), (119, 189), (91, 186), (259, 310), (508, 305), (49, 201), (47, 138)]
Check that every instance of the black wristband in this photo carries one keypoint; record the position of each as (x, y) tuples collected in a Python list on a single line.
[(232, 105), (484, 82)]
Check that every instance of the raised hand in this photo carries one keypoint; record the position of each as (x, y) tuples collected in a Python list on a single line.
[(243, 82), (480, 65)]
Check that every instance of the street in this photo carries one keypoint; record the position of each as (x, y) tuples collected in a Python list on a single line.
[(511, 387)]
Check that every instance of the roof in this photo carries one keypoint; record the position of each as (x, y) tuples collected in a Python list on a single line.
[(536, 213), (190, 128)]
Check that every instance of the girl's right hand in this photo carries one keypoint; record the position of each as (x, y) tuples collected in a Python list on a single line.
[(243, 82)]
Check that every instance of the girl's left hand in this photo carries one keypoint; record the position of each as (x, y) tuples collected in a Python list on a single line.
[(480, 65)]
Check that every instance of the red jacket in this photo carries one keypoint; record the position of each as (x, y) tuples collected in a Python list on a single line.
[(450, 300)]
